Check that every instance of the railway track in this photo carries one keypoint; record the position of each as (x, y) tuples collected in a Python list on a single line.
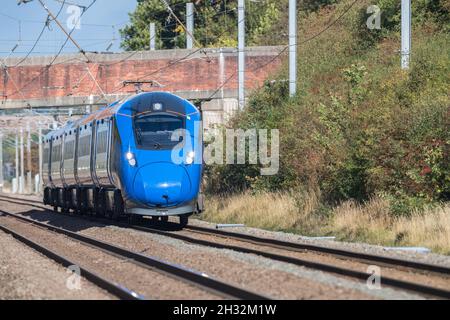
[(290, 247), (111, 287), (178, 272)]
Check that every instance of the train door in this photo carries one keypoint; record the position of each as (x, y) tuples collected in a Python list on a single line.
[(101, 154), (84, 155)]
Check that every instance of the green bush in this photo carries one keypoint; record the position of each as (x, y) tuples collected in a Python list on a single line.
[(360, 125), (433, 13)]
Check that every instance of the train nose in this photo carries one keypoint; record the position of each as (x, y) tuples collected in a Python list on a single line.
[(161, 184)]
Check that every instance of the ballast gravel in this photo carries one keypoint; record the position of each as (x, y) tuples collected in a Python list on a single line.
[(27, 274), (147, 283), (430, 258), (276, 279)]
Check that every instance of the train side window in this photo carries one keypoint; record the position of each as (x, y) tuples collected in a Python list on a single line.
[(56, 153), (69, 148), (84, 146), (102, 141)]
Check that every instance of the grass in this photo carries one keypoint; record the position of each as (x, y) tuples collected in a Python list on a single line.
[(369, 222)]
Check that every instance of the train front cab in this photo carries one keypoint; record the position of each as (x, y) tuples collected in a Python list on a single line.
[(154, 184)]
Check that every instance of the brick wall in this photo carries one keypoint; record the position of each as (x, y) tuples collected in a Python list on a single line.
[(71, 77)]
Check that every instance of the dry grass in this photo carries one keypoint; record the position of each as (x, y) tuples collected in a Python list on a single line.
[(370, 222), (431, 229), (270, 211)]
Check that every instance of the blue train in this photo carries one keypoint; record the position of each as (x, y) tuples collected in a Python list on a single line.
[(137, 157)]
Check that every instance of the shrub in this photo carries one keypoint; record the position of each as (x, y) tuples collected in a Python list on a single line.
[(360, 125)]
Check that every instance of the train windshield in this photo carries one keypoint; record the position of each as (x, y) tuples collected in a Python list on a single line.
[(155, 131)]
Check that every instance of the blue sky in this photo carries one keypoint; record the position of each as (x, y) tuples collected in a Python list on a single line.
[(95, 34)]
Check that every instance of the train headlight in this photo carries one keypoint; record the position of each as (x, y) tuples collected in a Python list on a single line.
[(190, 157), (131, 159), (157, 106)]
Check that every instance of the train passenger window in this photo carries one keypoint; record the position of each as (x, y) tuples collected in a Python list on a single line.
[(56, 153), (102, 142), (46, 155), (155, 131), (68, 150), (84, 146)]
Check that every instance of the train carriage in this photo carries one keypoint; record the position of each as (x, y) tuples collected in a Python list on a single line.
[(138, 157)]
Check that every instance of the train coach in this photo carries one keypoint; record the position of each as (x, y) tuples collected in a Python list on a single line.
[(138, 157)]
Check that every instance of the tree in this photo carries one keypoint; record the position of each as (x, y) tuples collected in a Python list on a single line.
[(215, 23)]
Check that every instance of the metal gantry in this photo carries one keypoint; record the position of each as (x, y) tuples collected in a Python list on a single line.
[(1, 162), (25, 178), (22, 171), (189, 25), (16, 186), (406, 33), (241, 53), (39, 183), (152, 30), (29, 182), (292, 47)]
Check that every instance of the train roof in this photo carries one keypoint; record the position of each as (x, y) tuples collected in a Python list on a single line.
[(139, 104), (136, 104)]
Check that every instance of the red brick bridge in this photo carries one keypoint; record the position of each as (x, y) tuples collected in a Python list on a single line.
[(78, 83)]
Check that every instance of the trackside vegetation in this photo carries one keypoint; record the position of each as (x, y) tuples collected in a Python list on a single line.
[(364, 149)]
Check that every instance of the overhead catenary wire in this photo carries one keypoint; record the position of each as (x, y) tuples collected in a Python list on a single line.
[(81, 50), (46, 25), (169, 65), (181, 23), (46, 22), (35, 43), (64, 2), (59, 52), (68, 34), (172, 63), (286, 48)]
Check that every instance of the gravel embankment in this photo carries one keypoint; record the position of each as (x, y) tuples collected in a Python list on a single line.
[(276, 279), (149, 284), (401, 274), (26, 274), (430, 258)]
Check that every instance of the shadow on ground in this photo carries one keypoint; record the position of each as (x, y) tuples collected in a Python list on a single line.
[(76, 223)]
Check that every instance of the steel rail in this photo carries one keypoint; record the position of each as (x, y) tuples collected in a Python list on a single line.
[(400, 284), (296, 247), (302, 247), (113, 288), (405, 285), (198, 279)]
